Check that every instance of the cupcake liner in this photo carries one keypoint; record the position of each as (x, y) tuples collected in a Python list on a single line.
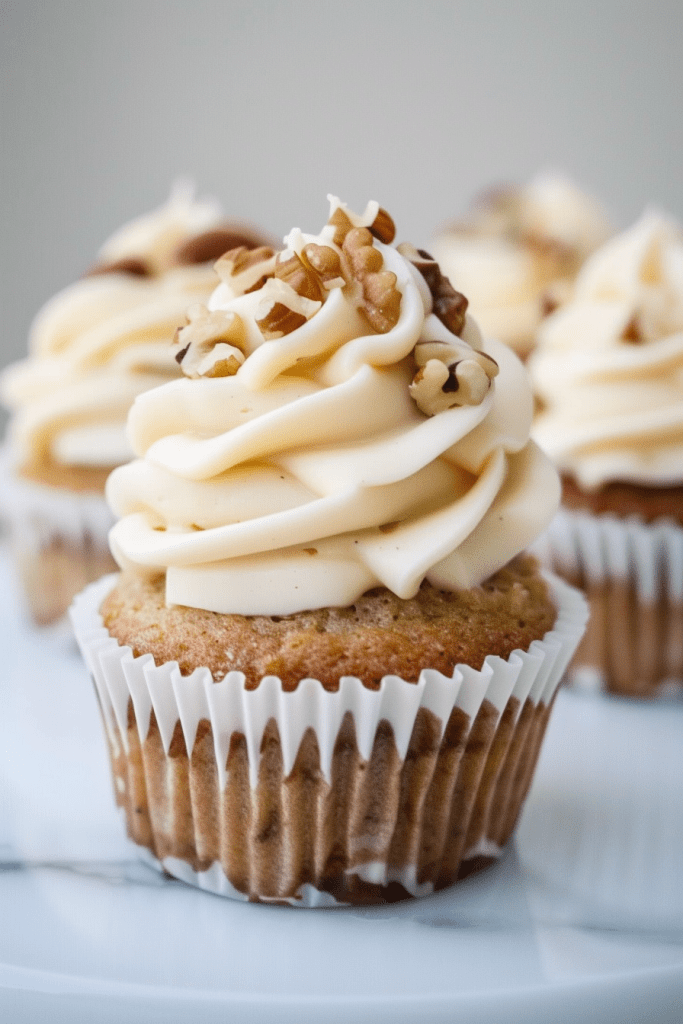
[(59, 540), (318, 798), (632, 573)]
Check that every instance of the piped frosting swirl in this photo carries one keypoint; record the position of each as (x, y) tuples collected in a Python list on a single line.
[(103, 340), (609, 366), (307, 474)]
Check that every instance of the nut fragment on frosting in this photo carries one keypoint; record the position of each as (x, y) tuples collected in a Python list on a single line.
[(210, 345), (315, 442), (609, 364)]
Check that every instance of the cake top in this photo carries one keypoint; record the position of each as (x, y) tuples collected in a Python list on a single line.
[(98, 343), (609, 365), (518, 251), (341, 424)]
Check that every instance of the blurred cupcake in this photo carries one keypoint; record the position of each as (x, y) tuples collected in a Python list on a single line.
[(609, 370), (326, 669), (517, 253), (94, 347)]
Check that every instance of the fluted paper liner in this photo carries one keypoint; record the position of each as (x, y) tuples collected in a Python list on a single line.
[(59, 540), (632, 572), (314, 797)]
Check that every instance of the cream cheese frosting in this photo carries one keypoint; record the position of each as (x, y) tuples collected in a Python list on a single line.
[(105, 339), (609, 366), (304, 472), (518, 251)]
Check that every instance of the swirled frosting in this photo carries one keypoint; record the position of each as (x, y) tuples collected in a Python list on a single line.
[(609, 366), (310, 475), (518, 251), (105, 339)]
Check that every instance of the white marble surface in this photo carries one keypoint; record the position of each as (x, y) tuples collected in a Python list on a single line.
[(582, 919)]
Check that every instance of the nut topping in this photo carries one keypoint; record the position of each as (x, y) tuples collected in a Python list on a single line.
[(282, 309), (212, 344), (381, 298), (244, 269), (451, 373), (448, 304), (326, 264)]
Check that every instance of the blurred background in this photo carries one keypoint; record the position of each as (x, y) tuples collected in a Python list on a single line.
[(269, 106)]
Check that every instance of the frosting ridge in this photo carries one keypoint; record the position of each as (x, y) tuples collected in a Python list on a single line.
[(307, 471), (609, 366)]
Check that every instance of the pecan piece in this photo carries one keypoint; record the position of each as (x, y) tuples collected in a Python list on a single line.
[(245, 269), (450, 373), (282, 309), (381, 298), (211, 344), (449, 305)]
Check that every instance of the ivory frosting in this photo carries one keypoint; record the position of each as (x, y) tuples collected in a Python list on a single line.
[(310, 475), (105, 339), (609, 365)]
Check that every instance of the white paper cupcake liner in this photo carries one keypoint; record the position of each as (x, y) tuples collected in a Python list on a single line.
[(59, 539), (36, 513), (153, 715), (632, 572)]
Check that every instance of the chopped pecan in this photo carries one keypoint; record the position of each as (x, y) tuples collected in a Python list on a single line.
[(326, 263), (381, 298), (449, 305), (450, 373), (382, 225), (282, 309), (246, 269), (303, 279), (212, 344)]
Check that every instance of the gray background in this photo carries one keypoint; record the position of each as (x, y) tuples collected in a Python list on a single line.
[(269, 106)]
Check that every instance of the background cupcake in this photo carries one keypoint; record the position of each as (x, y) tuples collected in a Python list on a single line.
[(608, 369), (94, 347), (325, 672), (518, 251)]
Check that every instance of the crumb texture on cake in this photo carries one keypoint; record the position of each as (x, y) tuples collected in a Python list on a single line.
[(379, 635)]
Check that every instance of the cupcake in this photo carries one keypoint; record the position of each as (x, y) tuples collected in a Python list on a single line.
[(518, 252), (93, 348), (608, 369), (326, 667)]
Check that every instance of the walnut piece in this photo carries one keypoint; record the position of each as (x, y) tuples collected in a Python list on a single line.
[(449, 305), (245, 269), (381, 299), (450, 373), (211, 345), (382, 227), (282, 309)]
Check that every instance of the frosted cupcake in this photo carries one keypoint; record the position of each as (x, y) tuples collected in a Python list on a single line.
[(517, 253), (326, 668), (609, 370), (94, 347)]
